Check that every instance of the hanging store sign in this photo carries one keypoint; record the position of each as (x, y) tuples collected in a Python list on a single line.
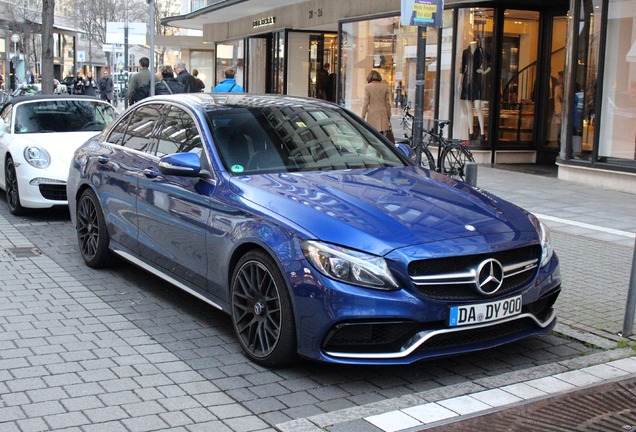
[(423, 13), (267, 21)]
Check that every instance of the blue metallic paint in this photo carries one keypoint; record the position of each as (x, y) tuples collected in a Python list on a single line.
[(400, 213)]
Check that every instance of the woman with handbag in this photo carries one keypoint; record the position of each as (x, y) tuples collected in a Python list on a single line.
[(376, 109)]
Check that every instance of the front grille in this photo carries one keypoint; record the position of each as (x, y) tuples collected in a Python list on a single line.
[(53, 192), (453, 278)]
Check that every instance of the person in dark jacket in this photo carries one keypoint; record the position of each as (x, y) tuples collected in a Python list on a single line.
[(78, 84), (200, 84), (185, 78), (168, 83), (90, 85), (106, 88)]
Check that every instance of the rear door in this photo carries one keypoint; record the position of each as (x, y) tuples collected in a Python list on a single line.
[(124, 152)]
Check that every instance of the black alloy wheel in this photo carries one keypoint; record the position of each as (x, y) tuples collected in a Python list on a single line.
[(11, 186), (92, 234), (262, 314)]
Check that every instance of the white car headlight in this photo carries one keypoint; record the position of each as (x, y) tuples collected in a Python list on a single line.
[(37, 157), (349, 266), (544, 238)]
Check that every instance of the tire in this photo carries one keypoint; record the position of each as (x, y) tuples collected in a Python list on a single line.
[(11, 186), (428, 161), (262, 313), (454, 159), (92, 234)]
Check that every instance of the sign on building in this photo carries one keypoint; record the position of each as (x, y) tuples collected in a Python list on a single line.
[(424, 13)]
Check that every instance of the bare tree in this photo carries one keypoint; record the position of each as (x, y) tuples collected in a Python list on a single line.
[(164, 9), (48, 18)]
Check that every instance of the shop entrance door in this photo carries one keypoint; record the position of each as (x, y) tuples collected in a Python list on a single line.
[(532, 55), (305, 63), (550, 125), (259, 64), (519, 80)]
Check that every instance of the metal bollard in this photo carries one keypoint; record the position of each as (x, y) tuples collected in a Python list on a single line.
[(471, 173), (628, 323)]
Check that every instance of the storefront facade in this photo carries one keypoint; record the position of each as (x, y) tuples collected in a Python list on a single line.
[(532, 71)]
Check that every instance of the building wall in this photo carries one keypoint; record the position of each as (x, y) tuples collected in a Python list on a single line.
[(307, 16)]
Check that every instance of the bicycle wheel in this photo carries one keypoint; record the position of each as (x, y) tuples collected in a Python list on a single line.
[(454, 159), (428, 161)]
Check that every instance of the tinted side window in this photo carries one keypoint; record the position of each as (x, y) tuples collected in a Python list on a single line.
[(178, 134), (117, 134), (139, 134)]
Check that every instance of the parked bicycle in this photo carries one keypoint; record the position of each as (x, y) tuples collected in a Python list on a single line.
[(453, 153)]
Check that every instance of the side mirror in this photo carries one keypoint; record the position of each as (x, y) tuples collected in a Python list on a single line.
[(183, 164), (180, 164), (406, 149)]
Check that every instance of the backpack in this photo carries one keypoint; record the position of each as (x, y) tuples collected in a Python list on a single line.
[(141, 93)]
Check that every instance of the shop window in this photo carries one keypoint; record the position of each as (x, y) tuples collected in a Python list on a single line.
[(230, 54), (473, 61), (391, 49), (617, 138), (202, 62)]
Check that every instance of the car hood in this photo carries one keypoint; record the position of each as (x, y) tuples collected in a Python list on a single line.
[(60, 145), (378, 210)]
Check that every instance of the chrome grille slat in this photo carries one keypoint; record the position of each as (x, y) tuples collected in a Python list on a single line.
[(519, 269)]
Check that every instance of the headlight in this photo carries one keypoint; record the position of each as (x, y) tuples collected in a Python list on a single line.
[(349, 266), (544, 238), (37, 157)]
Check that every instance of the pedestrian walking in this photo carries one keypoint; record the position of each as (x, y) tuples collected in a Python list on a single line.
[(200, 84), (228, 85), (185, 78), (168, 84), (106, 88), (376, 109), (139, 83), (90, 85)]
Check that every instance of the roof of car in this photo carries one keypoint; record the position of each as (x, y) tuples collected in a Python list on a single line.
[(33, 98), (212, 100)]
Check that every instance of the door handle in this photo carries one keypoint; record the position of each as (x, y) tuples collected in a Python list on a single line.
[(151, 173)]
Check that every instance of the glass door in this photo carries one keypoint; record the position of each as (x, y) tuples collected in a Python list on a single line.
[(258, 62), (518, 84), (553, 89)]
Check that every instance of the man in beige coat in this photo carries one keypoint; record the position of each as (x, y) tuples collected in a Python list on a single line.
[(376, 109)]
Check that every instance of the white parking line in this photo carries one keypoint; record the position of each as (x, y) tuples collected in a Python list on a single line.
[(587, 226)]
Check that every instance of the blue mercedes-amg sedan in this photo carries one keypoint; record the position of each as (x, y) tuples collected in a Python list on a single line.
[(317, 236)]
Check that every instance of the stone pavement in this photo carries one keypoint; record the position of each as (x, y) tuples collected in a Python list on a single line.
[(119, 350)]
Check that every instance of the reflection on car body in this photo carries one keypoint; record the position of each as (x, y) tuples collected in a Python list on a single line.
[(317, 236)]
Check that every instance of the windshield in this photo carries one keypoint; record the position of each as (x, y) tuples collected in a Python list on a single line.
[(284, 139), (62, 116)]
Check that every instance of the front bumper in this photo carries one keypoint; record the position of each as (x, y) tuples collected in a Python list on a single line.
[(405, 342)]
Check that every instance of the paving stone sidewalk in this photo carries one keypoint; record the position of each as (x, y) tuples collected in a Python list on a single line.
[(87, 350)]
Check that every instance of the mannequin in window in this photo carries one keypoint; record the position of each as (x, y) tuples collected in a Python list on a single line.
[(473, 68)]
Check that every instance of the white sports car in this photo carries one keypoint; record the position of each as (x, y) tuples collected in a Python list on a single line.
[(38, 135)]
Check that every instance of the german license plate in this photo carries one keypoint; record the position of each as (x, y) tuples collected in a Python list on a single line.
[(484, 312)]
